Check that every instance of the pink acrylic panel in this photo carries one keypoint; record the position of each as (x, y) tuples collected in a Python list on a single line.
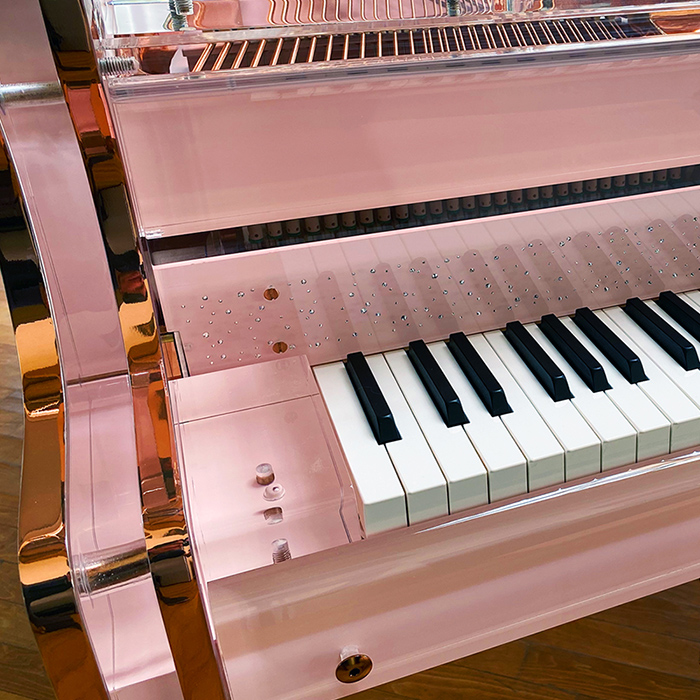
[(378, 292), (25, 55), (103, 519), (137, 17), (42, 143), (270, 413), (426, 595), (243, 155)]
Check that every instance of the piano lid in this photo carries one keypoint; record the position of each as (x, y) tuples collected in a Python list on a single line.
[(158, 22)]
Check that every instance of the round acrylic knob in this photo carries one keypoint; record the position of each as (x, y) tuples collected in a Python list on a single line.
[(264, 474), (273, 492)]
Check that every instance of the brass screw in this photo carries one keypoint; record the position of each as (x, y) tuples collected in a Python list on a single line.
[(353, 665), (279, 347), (271, 294)]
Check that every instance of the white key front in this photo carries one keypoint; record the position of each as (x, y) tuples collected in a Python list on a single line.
[(652, 426), (617, 435), (544, 454), (503, 459), (466, 476), (687, 382), (671, 401), (582, 447), (415, 464), (382, 501)]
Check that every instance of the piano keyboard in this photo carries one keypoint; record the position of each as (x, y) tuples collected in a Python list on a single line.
[(445, 426)]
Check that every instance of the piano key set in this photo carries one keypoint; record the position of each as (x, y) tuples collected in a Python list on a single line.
[(428, 276), (542, 433)]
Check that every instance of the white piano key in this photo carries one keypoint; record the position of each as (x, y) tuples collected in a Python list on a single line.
[(692, 298), (415, 464), (671, 401), (466, 476), (505, 463), (687, 381), (382, 501), (652, 426), (617, 435), (582, 447), (544, 454)]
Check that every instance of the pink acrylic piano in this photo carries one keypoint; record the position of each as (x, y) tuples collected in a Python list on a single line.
[(356, 336)]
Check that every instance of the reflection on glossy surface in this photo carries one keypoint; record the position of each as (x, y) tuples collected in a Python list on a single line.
[(164, 520), (429, 594), (139, 18), (677, 22), (43, 559)]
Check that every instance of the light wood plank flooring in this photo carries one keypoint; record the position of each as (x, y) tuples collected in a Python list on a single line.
[(646, 650), (21, 671)]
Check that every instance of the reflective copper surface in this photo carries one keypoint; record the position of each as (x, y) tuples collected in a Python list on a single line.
[(677, 21), (45, 573), (163, 515)]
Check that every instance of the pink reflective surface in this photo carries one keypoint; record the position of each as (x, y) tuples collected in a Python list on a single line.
[(378, 292), (137, 17), (25, 56), (268, 383), (52, 175), (287, 427), (426, 595), (104, 516), (259, 154)]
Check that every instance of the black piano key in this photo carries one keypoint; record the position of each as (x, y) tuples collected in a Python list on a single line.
[(667, 337), (540, 364), (681, 312), (479, 375), (373, 402), (441, 392), (620, 355), (585, 365)]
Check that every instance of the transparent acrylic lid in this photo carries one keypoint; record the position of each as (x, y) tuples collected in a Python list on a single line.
[(123, 23)]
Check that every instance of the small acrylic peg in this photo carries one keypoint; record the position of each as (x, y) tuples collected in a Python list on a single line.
[(264, 474)]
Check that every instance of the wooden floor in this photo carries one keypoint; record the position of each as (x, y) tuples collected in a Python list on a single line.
[(646, 650), (21, 672)]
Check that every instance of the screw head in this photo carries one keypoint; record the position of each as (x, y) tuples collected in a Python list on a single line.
[(353, 668)]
